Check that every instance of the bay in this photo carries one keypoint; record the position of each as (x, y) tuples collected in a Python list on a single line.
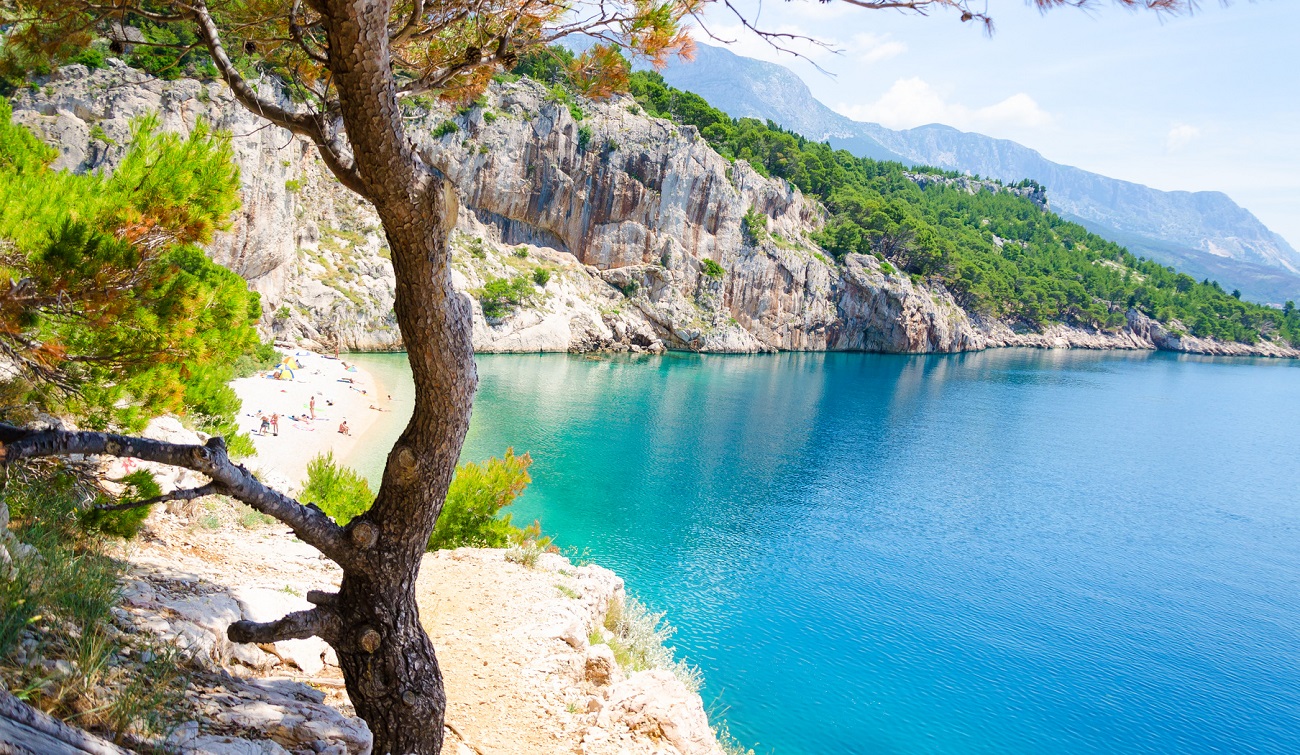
[(1013, 551)]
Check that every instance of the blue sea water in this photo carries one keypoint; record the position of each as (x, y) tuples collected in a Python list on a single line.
[(1006, 552)]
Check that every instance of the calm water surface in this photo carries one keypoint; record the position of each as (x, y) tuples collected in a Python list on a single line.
[(1006, 552)]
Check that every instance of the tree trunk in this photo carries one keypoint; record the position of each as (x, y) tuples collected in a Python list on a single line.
[(387, 658)]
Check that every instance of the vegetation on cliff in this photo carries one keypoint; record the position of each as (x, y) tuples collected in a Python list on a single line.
[(1000, 253)]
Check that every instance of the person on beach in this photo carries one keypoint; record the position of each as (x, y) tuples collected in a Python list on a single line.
[(265, 423), (275, 424), (343, 428), (311, 407)]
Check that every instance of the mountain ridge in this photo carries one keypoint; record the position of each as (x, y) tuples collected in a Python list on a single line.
[(1204, 233)]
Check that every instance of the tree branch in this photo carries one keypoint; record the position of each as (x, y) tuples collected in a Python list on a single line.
[(299, 123), (309, 125), (180, 494), (314, 622), (310, 524)]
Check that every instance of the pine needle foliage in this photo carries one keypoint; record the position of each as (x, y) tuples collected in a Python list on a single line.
[(113, 313), (472, 515)]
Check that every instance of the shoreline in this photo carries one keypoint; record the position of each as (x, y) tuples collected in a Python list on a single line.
[(343, 391)]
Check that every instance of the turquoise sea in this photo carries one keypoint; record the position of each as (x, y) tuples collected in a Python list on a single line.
[(1006, 552)]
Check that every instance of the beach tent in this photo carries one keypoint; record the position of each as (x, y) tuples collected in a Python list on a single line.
[(282, 373), (290, 362)]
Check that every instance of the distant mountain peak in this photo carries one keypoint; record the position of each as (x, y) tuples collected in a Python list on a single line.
[(1203, 232)]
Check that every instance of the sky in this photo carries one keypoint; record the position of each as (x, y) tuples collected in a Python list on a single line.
[(1207, 101)]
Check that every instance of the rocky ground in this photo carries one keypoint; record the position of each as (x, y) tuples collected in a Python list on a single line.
[(513, 640)]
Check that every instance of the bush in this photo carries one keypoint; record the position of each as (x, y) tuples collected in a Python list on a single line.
[(64, 600), (639, 640), (499, 296), (525, 554), (584, 137), (711, 268), (471, 515), (521, 252), (541, 276), (140, 485), (337, 490), (444, 128), (753, 226), (90, 57)]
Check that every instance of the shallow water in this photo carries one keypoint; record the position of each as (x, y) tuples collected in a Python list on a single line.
[(1007, 552)]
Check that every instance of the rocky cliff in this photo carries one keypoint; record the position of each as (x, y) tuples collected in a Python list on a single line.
[(1201, 233), (583, 226)]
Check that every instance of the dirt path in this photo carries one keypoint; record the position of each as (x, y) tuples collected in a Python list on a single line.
[(514, 684)]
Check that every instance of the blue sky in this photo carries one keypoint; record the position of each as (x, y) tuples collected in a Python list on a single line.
[(1209, 101)]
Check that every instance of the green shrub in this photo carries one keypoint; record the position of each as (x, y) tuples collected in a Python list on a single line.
[(90, 57), (499, 296), (630, 288), (139, 485), (471, 515), (521, 252), (639, 640), (753, 225), (711, 268), (293, 186), (541, 276), (584, 137), (64, 599), (444, 128), (489, 117), (337, 490)]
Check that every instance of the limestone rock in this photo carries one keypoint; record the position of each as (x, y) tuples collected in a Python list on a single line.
[(601, 668), (657, 704), (263, 604), (213, 744), (626, 214)]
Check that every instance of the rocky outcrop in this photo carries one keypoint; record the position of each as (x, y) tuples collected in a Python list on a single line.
[(598, 229), (1033, 192)]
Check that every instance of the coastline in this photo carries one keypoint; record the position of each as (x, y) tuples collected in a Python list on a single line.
[(300, 440)]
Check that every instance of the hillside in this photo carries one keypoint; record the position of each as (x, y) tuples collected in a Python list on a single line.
[(592, 226), (1204, 234)]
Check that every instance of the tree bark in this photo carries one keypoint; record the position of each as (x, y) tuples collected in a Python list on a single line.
[(388, 661)]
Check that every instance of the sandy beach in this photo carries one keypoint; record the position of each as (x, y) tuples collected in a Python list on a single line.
[(342, 391)]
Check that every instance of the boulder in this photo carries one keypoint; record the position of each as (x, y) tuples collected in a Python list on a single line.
[(263, 604), (657, 704), (601, 668)]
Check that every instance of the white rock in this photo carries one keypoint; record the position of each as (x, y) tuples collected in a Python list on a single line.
[(601, 668), (211, 744), (657, 704), (262, 604)]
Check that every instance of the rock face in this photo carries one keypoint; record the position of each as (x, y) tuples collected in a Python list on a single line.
[(583, 226), (1204, 234)]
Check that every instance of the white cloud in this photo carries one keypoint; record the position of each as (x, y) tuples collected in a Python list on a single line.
[(913, 102), (1181, 135), (835, 55), (873, 48)]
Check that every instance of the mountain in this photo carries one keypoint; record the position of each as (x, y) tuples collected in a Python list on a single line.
[(604, 226), (1204, 233)]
